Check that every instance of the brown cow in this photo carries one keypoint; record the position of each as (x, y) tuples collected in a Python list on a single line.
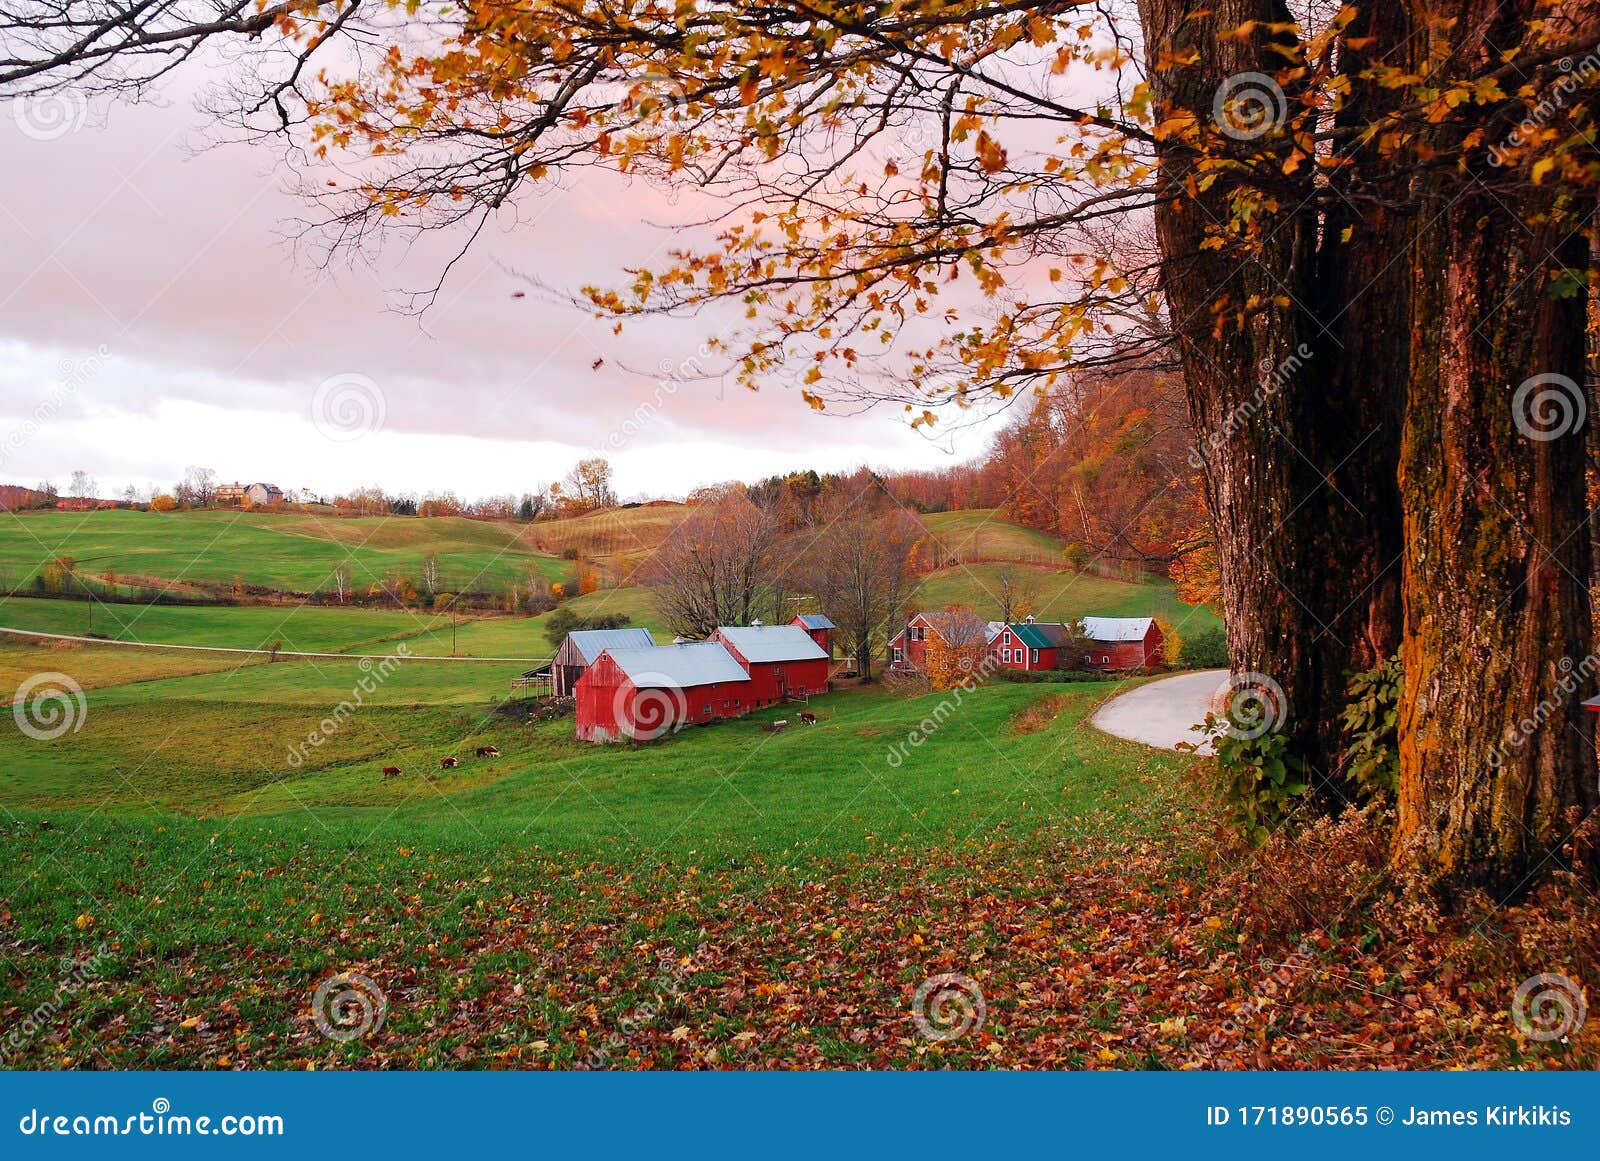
[(809, 718), (447, 763), (391, 771), (488, 752)]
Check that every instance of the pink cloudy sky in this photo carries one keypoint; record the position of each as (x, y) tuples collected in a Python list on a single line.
[(123, 236)]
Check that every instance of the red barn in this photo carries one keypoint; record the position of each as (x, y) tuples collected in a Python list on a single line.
[(781, 660), (1123, 642), (818, 628), (644, 694)]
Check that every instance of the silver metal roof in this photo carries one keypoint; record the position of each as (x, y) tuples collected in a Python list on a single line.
[(816, 621), (759, 643), (593, 642), (1116, 628), (678, 666)]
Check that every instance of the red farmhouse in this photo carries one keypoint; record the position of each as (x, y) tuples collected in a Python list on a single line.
[(1123, 642), (1029, 645), (781, 660), (646, 694), (908, 649), (818, 628)]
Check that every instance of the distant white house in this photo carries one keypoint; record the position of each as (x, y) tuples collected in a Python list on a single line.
[(256, 495), (262, 495)]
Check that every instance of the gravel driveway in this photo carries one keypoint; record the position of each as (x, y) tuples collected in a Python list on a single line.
[(1160, 713)]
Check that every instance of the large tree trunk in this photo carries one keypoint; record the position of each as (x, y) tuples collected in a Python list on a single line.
[(1297, 409), (1495, 749)]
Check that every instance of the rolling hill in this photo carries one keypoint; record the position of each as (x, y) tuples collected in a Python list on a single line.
[(296, 552)]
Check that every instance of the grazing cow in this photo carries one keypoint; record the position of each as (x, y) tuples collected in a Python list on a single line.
[(809, 718), (391, 771), (447, 763), (488, 752)]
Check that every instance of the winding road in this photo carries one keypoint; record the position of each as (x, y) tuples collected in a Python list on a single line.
[(1162, 713)]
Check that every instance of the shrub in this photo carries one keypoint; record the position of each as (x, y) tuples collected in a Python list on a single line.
[(1032, 676), (1260, 782), (1208, 650), (1370, 719)]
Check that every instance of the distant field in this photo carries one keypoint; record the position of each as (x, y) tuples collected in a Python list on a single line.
[(95, 666), (308, 628), (628, 535), (984, 534), (289, 551), (292, 551)]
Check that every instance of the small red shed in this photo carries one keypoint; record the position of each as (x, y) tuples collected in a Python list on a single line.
[(819, 628), (1123, 642), (645, 694), (781, 660)]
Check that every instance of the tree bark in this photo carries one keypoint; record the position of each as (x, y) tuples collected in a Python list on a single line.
[(1495, 748), (1298, 410)]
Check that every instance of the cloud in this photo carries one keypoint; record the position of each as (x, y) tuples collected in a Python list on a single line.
[(183, 265)]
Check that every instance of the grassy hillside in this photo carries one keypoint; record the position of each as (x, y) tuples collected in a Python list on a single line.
[(299, 551), (1057, 595), (309, 628), (220, 745), (623, 536), (981, 534), (295, 552), (725, 898)]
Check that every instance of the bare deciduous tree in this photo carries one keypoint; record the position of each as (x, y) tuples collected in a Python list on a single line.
[(717, 568), (863, 570)]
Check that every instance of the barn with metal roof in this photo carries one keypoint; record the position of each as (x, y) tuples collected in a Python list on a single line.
[(782, 661), (819, 628), (1123, 642), (583, 646), (644, 694)]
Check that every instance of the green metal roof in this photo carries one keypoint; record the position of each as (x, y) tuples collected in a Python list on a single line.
[(1032, 636)]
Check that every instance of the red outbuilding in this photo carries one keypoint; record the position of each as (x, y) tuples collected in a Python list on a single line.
[(1123, 642), (644, 694), (818, 628), (782, 661)]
